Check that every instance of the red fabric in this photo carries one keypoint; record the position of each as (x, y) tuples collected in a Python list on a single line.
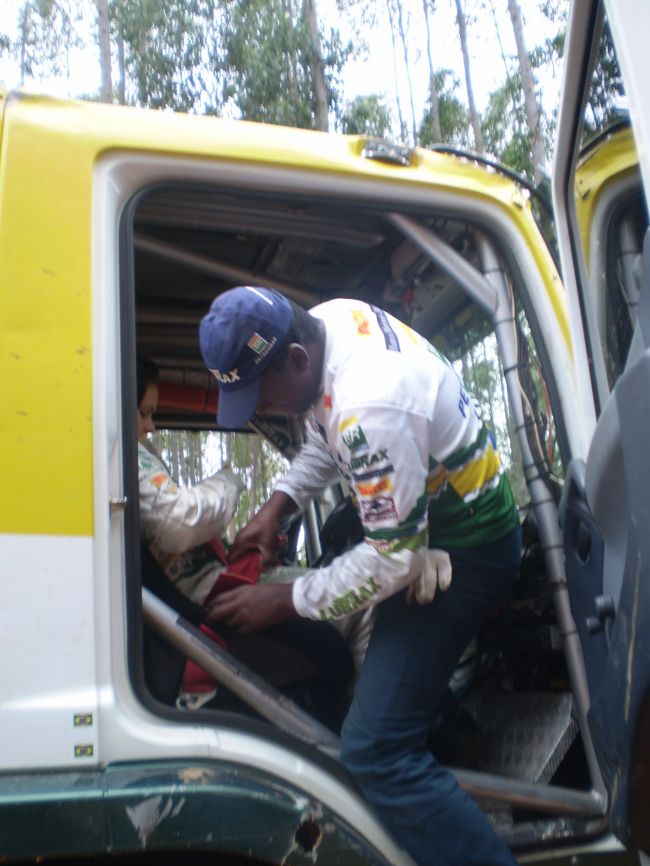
[(195, 679), (246, 570), (219, 549)]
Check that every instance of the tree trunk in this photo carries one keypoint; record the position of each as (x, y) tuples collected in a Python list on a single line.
[(490, 378), (530, 100), (402, 124), (194, 473), (465, 370), (121, 65), (433, 93), (292, 70), (255, 467), (24, 32), (317, 70), (174, 456), (104, 39), (497, 32), (473, 113), (407, 66), (265, 483)]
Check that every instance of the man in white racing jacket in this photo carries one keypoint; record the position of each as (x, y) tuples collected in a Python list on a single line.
[(390, 414)]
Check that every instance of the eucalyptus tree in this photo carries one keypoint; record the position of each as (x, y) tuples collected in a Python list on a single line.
[(166, 44), (428, 7), (321, 106), (398, 101), (453, 119), (474, 116), (505, 127), (46, 34), (367, 115), (104, 42), (531, 101), (399, 20), (269, 50), (605, 99)]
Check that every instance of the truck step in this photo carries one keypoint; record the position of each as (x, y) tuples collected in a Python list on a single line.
[(526, 735)]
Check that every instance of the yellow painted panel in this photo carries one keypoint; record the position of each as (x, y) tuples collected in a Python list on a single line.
[(609, 161), (45, 352)]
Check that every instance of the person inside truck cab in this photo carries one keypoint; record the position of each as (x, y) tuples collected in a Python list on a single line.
[(178, 522), (387, 412)]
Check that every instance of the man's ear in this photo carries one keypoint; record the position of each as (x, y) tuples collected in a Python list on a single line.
[(298, 357)]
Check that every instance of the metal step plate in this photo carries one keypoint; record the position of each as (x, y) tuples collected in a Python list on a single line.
[(526, 735)]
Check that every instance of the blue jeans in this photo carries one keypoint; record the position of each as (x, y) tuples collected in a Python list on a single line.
[(412, 654)]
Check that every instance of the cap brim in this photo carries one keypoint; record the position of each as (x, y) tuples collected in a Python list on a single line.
[(236, 406)]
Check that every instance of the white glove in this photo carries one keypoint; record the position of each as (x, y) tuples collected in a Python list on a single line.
[(436, 573)]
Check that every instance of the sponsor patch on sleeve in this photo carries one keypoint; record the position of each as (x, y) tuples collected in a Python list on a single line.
[(351, 601), (161, 480), (352, 435), (360, 320), (380, 508), (381, 486), (367, 460)]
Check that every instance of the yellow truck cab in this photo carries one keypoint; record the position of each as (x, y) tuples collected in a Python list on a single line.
[(118, 227)]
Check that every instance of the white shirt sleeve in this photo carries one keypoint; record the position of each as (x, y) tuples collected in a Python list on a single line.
[(311, 471), (388, 467), (176, 518)]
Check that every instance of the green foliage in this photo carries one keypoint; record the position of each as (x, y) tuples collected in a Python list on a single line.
[(335, 53), (46, 34), (267, 59), (551, 51), (555, 10), (267, 68), (454, 116), (191, 456), (259, 465), (505, 128), (367, 115), (603, 102), (167, 51)]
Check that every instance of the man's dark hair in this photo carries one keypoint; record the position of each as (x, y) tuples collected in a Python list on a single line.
[(147, 373), (304, 329)]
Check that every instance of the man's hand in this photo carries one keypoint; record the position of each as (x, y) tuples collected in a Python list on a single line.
[(252, 608), (260, 535), (263, 531), (435, 574)]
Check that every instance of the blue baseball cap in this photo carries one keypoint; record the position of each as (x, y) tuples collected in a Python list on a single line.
[(238, 338)]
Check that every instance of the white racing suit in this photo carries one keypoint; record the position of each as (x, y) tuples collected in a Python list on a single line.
[(394, 420), (176, 522)]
